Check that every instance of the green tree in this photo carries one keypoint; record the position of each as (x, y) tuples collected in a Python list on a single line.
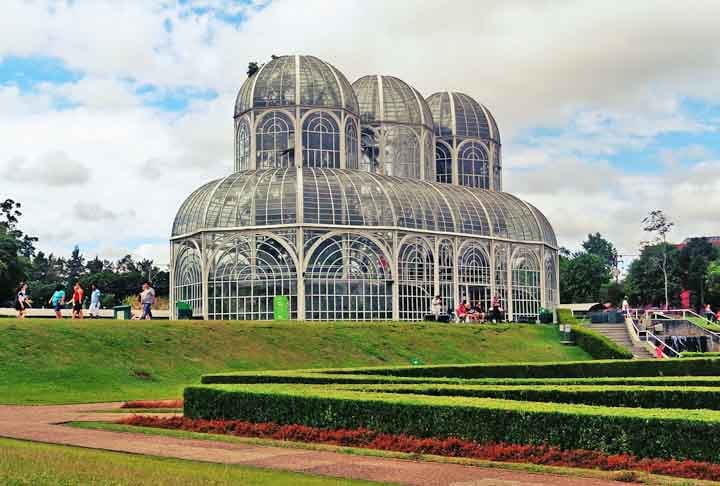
[(581, 277), (648, 283), (694, 259), (75, 266), (658, 224), (599, 246), (16, 249), (712, 280)]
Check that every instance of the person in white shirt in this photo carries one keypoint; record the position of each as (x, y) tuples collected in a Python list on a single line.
[(625, 306), (436, 307), (94, 302), (147, 299)]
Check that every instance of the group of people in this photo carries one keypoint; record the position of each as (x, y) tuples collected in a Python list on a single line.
[(59, 300), (466, 312)]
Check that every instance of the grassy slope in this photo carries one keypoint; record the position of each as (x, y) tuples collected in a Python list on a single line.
[(27, 463), (48, 361)]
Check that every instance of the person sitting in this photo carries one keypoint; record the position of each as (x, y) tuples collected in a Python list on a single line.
[(436, 307), (462, 311)]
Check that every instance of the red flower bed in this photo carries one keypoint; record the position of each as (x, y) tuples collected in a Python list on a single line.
[(153, 404), (452, 447)]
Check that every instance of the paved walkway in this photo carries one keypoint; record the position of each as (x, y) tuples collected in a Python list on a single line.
[(44, 424)]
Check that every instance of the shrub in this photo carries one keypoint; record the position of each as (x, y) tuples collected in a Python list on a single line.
[(608, 396), (565, 316), (690, 354), (597, 345), (685, 434), (567, 369)]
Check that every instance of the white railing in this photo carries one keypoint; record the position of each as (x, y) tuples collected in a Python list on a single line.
[(649, 335)]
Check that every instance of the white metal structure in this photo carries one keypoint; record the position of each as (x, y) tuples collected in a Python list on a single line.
[(305, 216)]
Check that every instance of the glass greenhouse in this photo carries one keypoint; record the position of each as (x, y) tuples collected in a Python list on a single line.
[(359, 202)]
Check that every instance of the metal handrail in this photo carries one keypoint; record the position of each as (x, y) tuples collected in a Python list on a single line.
[(650, 334), (713, 335)]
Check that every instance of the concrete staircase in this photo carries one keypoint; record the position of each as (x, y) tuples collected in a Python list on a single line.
[(618, 333)]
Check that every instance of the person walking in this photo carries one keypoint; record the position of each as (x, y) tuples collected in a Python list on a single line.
[(57, 301), (625, 306), (22, 303), (147, 299), (709, 314), (94, 302), (77, 299)]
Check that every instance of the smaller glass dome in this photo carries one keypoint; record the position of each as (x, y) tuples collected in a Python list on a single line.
[(471, 119), (389, 99), (296, 80)]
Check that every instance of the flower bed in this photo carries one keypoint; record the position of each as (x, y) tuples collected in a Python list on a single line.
[(451, 447)]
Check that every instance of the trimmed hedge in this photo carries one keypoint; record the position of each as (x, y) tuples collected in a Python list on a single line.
[(597, 345), (607, 396), (319, 377), (567, 369), (691, 354), (678, 434)]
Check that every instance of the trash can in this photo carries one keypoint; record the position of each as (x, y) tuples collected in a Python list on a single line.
[(122, 312), (281, 308), (184, 310)]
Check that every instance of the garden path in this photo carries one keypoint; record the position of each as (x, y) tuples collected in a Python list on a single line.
[(45, 424)]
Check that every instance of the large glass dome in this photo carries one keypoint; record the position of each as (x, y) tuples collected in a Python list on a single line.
[(296, 80)]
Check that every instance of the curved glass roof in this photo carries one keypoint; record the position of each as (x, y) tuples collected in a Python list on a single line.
[(471, 119), (296, 80), (356, 198), (389, 99)]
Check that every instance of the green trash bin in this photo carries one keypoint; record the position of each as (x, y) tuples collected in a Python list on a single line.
[(122, 312), (184, 310), (281, 308)]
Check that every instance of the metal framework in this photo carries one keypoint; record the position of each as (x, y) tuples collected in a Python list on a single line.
[(356, 205)]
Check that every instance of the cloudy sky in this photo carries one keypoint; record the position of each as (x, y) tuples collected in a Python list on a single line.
[(112, 112)]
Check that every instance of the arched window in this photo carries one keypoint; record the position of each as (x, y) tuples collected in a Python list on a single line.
[(416, 281), (401, 152), (321, 141), (188, 277), (443, 163), (348, 277), (474, 275), (370, 146), (525, 286), (242, 145), (501, 274), (550, 280), (246, 275), (351, 144), (473, 166), (275, 140)]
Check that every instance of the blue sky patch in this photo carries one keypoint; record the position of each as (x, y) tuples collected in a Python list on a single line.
[(175, 99), (27, 72)]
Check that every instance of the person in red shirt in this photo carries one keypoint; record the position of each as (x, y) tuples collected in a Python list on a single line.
[(659, 350), (77, 299), (461, 311)]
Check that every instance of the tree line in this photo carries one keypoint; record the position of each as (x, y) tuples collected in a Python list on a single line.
[(21, 261), (661, 269)]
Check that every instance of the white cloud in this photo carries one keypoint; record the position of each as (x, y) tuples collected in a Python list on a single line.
[(49, 169)]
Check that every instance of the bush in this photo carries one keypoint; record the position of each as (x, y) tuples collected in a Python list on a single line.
[(597, 345), (567, 369), (680, 434), (603, 395), (690, 354), (565, 316)]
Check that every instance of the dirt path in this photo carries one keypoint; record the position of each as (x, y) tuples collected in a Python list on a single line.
[(44, 424)]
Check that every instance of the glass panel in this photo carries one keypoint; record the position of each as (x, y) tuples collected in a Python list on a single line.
[(275, 140), (473, 166), (321, 141)]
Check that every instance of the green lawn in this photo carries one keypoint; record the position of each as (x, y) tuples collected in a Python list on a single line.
[(29, 463), (49, 361)]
